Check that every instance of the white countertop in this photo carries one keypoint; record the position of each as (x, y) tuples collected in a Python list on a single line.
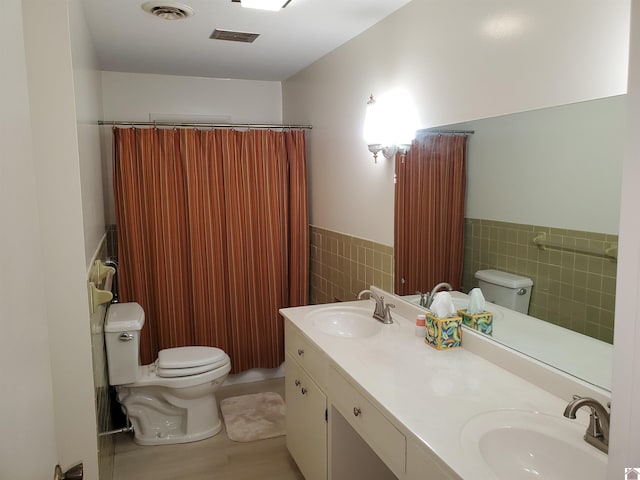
[(429, 394), (548, 343)]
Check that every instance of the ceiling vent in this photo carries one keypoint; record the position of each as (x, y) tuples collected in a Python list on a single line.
[(232, 36), (168, 10)]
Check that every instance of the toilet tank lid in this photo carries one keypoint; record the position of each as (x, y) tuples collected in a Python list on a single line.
[(124, 317), (504, 279)]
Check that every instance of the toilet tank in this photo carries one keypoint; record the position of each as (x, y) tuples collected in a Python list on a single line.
[(505, 289), (122, 337)]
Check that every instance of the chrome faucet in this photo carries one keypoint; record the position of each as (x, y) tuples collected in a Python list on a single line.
[(597, 433), (381, 311), (423, 298), (429, 296)]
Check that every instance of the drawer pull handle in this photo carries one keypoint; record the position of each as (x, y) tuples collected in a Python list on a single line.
[(303, 390), (297, 382), (300, 352), (356, 411)]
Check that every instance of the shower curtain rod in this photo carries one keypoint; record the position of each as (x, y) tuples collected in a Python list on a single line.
[(447, 132), (203, 125)]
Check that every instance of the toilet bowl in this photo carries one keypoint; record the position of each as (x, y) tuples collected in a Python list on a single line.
[(171, 400)]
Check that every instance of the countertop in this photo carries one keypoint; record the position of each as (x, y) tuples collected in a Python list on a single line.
[(549, 343), (429, 394)]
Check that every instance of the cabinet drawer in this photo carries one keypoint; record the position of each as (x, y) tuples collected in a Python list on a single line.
[(308, 356), (381, 435)]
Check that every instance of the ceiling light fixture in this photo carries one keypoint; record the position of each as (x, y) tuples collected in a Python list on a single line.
[(168, 10), (271, 5)]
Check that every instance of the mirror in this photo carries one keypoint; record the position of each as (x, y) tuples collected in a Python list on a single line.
[(553, 174)]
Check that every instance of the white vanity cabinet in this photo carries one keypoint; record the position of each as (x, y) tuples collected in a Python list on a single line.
[(306, 405), (398, 409), (334, 429)]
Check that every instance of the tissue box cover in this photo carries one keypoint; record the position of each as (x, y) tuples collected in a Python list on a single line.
[(443, 333), (483, 322)]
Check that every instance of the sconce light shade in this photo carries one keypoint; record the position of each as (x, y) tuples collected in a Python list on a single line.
[(390, 126)]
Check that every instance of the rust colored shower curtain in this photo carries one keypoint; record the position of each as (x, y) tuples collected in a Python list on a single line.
[(429, 214), (212, 237)]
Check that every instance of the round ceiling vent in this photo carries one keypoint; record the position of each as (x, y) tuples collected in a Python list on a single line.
[(168, 10)]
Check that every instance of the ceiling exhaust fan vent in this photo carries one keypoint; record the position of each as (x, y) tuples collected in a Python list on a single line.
[(232, 36), (168, 10)]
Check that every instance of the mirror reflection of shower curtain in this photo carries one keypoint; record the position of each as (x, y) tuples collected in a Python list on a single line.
[(429, 213), (213, 237)]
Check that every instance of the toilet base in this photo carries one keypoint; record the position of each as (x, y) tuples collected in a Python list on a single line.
[(161, 415), (175, 439)]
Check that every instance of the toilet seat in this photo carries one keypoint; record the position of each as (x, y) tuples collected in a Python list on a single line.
[(187, 361)]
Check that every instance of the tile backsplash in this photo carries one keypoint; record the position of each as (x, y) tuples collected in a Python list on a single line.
[(343, 265), (572, 289)]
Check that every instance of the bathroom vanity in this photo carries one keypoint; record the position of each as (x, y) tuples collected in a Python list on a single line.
[(368, 400)]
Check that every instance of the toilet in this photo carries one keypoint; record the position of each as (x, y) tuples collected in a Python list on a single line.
[(505, 289), (171, 400)]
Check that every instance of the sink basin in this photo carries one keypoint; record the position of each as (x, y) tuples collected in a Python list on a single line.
[(525, 445), (345, 321)]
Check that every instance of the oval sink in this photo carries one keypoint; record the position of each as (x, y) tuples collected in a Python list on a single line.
[(526, 445), (345, 321)]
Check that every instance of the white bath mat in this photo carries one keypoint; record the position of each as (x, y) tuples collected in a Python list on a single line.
[(253, 417)]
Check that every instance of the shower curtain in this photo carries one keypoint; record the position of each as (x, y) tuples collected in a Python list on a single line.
[(212, 237), (429, 214)]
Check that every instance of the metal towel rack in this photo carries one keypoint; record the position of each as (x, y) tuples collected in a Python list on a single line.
[(610, 251)]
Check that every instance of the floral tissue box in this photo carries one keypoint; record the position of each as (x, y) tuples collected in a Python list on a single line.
[(482, 322), (443, 333)]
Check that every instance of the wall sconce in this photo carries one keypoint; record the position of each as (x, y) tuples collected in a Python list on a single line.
[(389, 126)]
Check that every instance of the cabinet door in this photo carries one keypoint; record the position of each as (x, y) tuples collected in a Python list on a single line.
[(306, 422)]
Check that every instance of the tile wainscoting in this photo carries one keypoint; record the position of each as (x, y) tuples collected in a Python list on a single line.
[(343, 265), (570, 289)]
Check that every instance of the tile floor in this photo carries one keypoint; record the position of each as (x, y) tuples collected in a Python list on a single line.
[(216, 458)]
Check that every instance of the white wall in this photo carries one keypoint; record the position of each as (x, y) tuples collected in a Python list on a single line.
[(62, 239), (558, 167), (28, 442), (459, 60), (134, 97), (625, 408), (87, 83)]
